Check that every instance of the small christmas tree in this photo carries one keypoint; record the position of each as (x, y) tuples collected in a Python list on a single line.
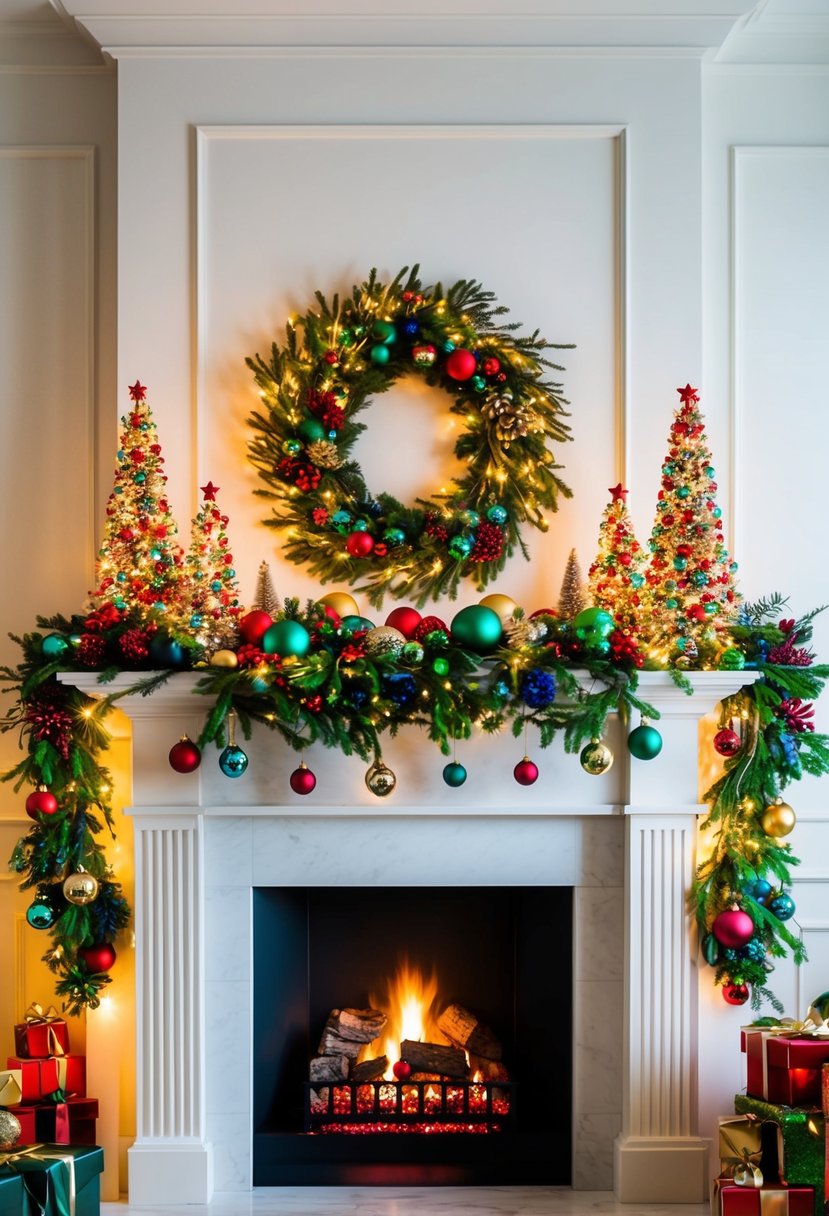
[(265, 597), (140, 564), (214, 597), (690, 579), (572, 597), (616, 577)]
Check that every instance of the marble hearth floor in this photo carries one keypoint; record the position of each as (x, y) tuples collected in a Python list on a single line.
[(413, 1201)]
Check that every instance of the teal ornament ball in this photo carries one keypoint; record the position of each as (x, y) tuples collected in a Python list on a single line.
[(288, 639), (354, 624), (384, 331), (460, 547), (380, 355), (731, 659), (165, 652), (498, 515), (233, 761), (470, 518), (454, 774), (476, 628), (478, 384), (311, 430), (53, 646), (40, 915), (394, 537), (645, 742), (291, 447)]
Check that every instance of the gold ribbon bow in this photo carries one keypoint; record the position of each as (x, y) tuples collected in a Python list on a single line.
[(36, 1015), (11, 1086), (743, 1164), (38, 1152)]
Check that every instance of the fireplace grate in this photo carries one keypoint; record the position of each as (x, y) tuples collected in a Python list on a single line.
[(410, 1106)]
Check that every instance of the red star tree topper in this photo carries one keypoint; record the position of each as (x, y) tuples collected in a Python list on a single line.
[(140, 564), (214, 598), (691, 594), (616, 578)]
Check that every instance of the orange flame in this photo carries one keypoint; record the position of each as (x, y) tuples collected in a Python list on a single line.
[(410, 1002)]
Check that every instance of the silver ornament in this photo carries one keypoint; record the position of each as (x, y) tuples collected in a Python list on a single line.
[(10, 1130), (80, 888), (384, 639), (380, 779)]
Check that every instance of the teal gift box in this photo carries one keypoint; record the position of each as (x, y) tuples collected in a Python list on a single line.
[(46, 1176), (11, 1193), (803, 1132)]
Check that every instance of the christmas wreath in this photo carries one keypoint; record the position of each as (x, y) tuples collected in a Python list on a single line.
[(335, 359)]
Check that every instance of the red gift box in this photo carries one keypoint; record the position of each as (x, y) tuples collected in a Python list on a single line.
[(25, 1115), (794, 1068), (69, 1122), (42, 1077), (771, 1199), (43, 1034), (753, 1041)]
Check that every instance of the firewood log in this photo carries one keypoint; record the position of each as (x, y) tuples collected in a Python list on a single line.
[(332, 1069), (463, 1028), (434, 1058), (490, 1070), (369, 1070), (361, 1025)]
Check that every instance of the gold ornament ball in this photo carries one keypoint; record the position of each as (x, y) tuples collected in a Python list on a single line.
[(380, 780), (342, 603), (224, 658), (80, 888), (385, 639), (502, 604), (596, 758), (10, 1130), (778, 819)]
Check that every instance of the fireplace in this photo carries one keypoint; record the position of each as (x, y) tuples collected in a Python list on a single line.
[(624, 842), (432, 956)]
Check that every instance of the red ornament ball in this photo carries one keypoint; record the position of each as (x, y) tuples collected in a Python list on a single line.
[(41, 802), (525, 772), (430, 624), (735, 994), (302, 779), (404, 619), (359, 544), (97, 958), (727, 742), (460, 365), (402, 1069), (733, 928), (184, 756), (491, 366), (254, 625)]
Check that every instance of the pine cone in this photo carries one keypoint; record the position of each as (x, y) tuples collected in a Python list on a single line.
[(512, 420), (518, 631), (324, 454)]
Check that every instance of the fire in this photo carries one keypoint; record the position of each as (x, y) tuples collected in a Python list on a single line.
[(409, 1001)]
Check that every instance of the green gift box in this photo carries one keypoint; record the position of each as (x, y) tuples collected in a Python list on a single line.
[(49, 1174), (803, 1133), (11, 1192)]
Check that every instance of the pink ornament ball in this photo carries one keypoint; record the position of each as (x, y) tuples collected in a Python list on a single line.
[(359, 544), (525, 772), (733, 928), (404, 619), (184, 756), (254, 625), (460, 365), (302, 780)]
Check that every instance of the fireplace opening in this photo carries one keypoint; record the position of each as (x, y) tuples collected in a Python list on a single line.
[(412, 1035)]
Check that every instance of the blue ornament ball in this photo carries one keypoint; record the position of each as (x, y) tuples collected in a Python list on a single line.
[(760, 889), (233, 761), (411, 329), (454, 774), (782, 906), (400, 688), (537, 688)]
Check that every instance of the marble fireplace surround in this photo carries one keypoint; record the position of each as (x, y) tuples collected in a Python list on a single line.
[(624, 841)]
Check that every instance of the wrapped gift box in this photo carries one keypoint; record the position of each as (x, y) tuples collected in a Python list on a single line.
[(11, 1087), (803, 1135), (39, 1078), (793, 1068), (753, 1043), (69, 1122), (42, 1034), (25, 1116), (728, 1199), (745, 1140), (12, 1199), (45, 1176)]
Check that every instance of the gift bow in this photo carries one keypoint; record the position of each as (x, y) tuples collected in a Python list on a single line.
[(745, 1170), (813, 1026), (36, 1015), (11, 1087)]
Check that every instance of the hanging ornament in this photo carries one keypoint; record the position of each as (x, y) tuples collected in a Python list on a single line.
[(735, 993), (733, 928), (288, 639), (40, 914), (759, 890), (596, 758), (645, 741), (402, 1070), (454, 774), (778, 819), (80, 888), (477, 628), (343, 604), (232, 761), (380, 779), (302, 779), (406, 620), (10, 1131), (385, 640), (525, 772), (782, 906), (727, 742), (98, 958), (184, 756), (41, 802)]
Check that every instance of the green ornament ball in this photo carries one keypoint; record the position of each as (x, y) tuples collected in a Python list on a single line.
[(412, 654), (477, 628), (478, 384), (454, 774), (732, 659), (394, 537), (645, 742), (287, 639), (384, 331), (345, 337), (291, 447), (470, 518), (821, 1005), (53, 646), (497, 515), (311, 430), (441, 667), (593, 623), (460, 547), (380, 355)]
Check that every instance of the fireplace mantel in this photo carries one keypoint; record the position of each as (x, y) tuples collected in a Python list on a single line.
[(660, 1155)]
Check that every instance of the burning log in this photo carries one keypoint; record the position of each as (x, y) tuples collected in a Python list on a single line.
[(360, 1025), (369, 1070), (434, 1058), (463, 1028), (329, 1069), (490, 1070)]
